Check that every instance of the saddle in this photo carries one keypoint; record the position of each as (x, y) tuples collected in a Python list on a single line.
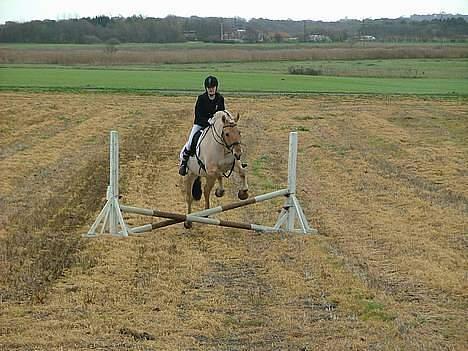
[(195, 152), (194, 147)]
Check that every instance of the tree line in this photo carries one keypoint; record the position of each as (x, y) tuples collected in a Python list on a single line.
[(172, 29)]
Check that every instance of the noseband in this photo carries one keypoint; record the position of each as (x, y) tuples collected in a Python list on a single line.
[(229, 146), (220, 139)]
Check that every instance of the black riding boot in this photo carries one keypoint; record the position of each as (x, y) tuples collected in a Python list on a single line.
[(183, 163)]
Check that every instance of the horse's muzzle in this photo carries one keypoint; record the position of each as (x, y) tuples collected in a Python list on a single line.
[(236, 150)]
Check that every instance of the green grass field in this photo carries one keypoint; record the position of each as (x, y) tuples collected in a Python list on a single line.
[(341, 68), (443, 77), (396, 68)]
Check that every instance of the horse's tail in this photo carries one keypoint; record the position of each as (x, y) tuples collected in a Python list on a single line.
[(196, 189)]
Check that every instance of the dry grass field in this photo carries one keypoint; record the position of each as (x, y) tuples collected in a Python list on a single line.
[(206, 53), (384, 179)]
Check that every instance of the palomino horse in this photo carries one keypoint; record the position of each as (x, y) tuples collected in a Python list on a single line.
[(219, 151)]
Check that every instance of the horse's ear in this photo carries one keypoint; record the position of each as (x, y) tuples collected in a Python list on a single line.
[(237, 117), (224, 119)]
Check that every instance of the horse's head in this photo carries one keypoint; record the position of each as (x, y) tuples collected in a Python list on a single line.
[(231, 134)]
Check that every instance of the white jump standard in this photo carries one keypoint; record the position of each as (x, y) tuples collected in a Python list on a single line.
[(110, 219)]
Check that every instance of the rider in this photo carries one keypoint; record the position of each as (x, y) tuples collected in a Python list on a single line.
[(206, 106)]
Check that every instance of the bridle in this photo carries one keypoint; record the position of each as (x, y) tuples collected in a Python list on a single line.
[(220, 139)]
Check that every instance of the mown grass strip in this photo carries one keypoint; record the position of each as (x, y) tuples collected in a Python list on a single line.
[(230, 82)]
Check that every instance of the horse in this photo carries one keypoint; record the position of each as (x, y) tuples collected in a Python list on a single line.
[(218, 152)]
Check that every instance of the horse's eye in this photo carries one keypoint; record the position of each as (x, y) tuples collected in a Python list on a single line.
[(227, 134)]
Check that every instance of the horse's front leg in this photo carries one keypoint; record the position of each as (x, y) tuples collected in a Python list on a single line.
[(189, 180), (210, 181), (220, 189), (242, 171)]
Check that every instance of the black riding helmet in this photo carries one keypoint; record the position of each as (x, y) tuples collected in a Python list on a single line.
[(210, 82)]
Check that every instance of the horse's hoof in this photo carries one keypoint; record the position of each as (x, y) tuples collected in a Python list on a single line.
[(243, 194), (219, 192), (188, 225)]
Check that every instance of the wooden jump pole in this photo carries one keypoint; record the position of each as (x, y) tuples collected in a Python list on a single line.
[(176, 218), (111, 218), (213, 221)]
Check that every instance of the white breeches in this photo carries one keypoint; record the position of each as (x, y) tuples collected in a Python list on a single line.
[(194, 130)]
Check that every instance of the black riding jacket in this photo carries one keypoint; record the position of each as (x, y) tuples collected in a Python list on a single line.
[(206, 108)]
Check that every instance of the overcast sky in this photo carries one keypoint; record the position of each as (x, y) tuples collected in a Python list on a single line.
[(327, 10)]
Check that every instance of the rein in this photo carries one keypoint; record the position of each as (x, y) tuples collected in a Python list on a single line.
[(232, 168)]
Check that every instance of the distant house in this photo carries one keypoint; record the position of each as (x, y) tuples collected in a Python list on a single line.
[(237, 35), (190, 35), (318, 38)]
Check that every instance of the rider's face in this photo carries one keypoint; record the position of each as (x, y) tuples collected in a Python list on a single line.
[(211, 91)]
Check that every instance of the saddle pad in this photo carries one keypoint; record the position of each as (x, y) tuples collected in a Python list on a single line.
[(197, 139)]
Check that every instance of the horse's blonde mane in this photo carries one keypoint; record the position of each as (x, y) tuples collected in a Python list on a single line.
[(219, 114)]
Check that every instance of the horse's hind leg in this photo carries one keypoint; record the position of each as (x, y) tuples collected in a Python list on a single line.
[(219, 192), (242, 171)]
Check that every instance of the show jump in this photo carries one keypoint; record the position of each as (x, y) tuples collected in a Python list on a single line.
[(111, 221)]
